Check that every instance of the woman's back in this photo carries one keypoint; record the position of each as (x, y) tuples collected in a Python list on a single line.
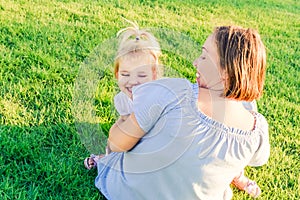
[(189, 153), (230, 112)]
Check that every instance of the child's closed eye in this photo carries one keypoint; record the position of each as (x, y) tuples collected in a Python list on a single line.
[(124, 74), (142, 75)]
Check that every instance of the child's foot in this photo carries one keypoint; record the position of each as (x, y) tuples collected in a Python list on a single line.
[(252, 189), (91, 162), (249, 186)]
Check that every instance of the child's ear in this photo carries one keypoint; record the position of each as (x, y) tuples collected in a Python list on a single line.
[(117, 75)]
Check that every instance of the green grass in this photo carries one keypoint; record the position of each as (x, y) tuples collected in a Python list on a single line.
[(44, 46)]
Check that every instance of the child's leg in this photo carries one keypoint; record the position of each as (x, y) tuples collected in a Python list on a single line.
[(246, 184), (91, 162)]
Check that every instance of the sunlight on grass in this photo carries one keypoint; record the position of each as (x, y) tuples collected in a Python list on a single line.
[(13, 113), (44, 46)]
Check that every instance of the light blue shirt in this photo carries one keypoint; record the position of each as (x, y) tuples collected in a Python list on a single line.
[(184, 153)]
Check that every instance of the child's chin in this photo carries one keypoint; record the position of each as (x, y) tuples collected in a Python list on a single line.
[(129, 94)]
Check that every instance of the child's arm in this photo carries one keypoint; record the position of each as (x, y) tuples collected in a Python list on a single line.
[(122, 118), (124, 135), (124, 108)]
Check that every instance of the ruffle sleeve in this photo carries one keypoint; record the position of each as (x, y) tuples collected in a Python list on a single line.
[(123, 104), (262, 154)]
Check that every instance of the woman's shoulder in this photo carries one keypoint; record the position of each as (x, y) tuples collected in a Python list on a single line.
[(261, 123), (260, 126), (169, 81), (171, 85)]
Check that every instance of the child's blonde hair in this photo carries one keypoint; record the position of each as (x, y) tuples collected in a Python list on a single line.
[(242, 55), (134, 41)]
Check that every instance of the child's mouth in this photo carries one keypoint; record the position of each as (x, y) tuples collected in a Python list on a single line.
[(129, 90)]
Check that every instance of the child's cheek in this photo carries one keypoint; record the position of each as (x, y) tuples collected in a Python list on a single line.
[(122, 80)]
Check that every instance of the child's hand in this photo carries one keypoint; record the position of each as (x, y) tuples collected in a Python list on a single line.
[(124, 117)]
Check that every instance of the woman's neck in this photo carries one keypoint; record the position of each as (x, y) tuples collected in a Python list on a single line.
[(227, 111), (210, 101)]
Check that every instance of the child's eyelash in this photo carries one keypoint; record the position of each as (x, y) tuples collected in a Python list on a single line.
[(142, 76)]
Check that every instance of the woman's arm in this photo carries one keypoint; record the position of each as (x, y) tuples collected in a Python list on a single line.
[(124, 134)]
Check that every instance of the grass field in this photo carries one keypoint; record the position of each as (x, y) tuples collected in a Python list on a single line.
[(44, 46)]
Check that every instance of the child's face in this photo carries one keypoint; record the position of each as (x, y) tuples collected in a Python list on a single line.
[(135, 70), (208, 69)]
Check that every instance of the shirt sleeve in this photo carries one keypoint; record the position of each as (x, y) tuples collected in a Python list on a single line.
[(150, 102), (262, 154), (123, 104)]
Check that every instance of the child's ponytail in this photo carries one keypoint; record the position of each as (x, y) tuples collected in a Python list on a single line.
[(135, 40)]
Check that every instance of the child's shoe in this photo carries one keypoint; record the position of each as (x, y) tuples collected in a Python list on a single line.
[(91, 162), (252, 189)]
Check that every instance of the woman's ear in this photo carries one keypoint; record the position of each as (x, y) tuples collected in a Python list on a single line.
[(224, 75)]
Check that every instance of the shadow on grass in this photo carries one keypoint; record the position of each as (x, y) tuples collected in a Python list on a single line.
[(44, 162)]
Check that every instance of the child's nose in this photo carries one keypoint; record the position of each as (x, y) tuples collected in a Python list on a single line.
[(195, 62), (133, 81)]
